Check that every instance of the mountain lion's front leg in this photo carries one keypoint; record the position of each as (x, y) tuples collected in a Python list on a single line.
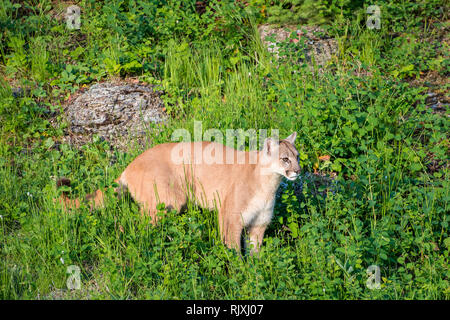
[(233, 237), (256, 236), (231, 226)]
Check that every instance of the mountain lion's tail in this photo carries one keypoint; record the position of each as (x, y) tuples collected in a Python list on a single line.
[(95, 199)]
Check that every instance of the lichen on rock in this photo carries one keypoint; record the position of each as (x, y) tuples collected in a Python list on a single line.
[(116, 112)]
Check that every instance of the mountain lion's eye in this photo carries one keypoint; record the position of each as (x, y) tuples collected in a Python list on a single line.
[(286, 160)]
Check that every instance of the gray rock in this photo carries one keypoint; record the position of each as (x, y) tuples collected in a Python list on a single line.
[(116, 112), (20, 92), (436, 103)]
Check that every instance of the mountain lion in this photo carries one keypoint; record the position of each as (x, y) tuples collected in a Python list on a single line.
[(242, 190)]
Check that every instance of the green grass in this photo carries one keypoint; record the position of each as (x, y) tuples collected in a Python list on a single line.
[(381, 198)]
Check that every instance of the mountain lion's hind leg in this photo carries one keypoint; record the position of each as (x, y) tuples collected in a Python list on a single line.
[(172, 201), (150, 212)]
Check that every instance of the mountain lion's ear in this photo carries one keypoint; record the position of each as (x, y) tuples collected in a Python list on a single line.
[(292, 137), (269, 145)]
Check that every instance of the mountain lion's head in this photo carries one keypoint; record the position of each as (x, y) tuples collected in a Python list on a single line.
[(282, 157)]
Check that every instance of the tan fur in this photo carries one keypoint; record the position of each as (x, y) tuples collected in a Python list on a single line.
[(243, 193)]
